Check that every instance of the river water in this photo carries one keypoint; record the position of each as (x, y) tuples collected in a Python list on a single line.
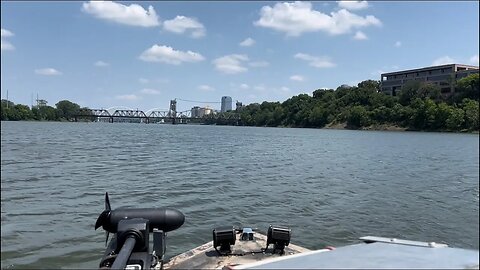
[(329, 186)]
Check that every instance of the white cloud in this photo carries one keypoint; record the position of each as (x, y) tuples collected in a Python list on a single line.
[(314, 61), (182, 24), (205, 87), (231, 64), (143, 80), (150, 91), (353, 5), (6, 33), (260, 87), (47, 71), (385, 69), (101, 64), (297, 78), (474, 59), (128, 97), (244, 86), (377, 72), (247, 42), (133, 14), (259, 64), (284, 89), (359, 35), (443, 61), (299, 17), (398, 44), (168, 55), (5, 45)]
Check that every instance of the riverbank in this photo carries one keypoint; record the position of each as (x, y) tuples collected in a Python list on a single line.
[(387, 127), (335, 126)]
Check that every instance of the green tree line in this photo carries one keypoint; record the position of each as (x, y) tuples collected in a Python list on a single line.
[(418, 106), (64, 111)]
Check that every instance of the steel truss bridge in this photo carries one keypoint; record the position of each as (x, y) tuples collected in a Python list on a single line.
[(151, 116)]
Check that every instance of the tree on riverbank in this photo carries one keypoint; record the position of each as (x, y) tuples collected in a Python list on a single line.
[(419, 106), (65, 110)]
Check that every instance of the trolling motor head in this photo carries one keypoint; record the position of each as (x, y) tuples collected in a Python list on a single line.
[(164, 219), (133, 227)]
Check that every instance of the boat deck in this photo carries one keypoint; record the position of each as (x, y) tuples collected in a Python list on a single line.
[(244, 252)]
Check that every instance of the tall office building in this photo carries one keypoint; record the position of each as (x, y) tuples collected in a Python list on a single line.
[(226, 104)]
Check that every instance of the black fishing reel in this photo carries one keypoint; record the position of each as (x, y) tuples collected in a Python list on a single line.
[(133, 227)]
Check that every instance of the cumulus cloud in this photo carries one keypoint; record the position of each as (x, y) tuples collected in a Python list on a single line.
[(297, 78), (168, 55), (298, 17), (443, 61), (385, 69), (101, 64), (205, 87), (360, 36), (284, 89), (247, 42), (353, 5), (133, 14), (315, 61), (182, 24), (47, 71), (128, 97), (6, 33), (231, 64), (6, 46), (474, 59), (260, 87), (259, 64), (150, 91), (244, 86), (398, 44)]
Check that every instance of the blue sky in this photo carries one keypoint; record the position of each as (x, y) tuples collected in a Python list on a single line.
[(142, 54)]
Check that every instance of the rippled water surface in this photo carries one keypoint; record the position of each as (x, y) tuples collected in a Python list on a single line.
[(329, 186)]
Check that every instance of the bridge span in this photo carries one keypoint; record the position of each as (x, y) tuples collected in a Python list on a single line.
[(152, 116)]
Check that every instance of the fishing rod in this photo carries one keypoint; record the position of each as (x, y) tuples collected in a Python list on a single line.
[(133, 226)]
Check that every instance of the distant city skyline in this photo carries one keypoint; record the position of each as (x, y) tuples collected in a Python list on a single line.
[(144, 54)]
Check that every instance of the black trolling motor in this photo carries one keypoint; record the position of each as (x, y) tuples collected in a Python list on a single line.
[(130, 248)]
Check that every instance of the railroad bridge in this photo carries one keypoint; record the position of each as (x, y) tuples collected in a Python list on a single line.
[(150, 116)]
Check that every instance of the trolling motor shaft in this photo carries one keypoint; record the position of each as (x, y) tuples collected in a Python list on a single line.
[(133, 227)]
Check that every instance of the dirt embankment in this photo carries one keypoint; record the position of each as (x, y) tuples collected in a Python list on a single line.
[(371, 127)]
